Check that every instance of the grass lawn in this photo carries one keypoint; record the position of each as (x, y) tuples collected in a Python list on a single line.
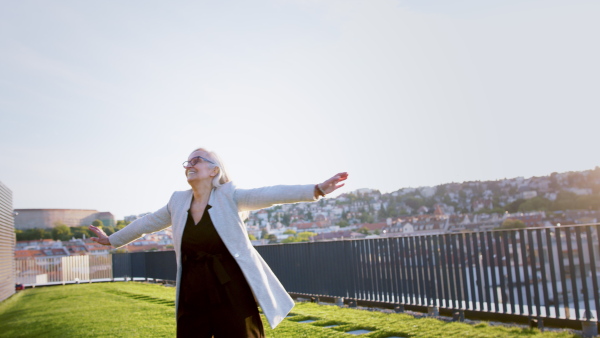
[(147, 310)]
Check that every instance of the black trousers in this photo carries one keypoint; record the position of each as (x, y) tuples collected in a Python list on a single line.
[(221, 321)]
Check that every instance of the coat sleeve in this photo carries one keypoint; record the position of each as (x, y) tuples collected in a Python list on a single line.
[(253, 199), (153, 222)]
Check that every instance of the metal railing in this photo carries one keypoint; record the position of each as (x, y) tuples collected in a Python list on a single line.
[(61, 270), (156, 265), (540, 272)]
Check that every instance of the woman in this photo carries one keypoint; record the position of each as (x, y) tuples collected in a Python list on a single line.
[(220, 276)]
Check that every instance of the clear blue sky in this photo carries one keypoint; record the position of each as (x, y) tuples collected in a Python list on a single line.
[(100, 102)]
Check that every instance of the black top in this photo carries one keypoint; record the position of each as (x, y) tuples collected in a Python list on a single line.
[(210, 275)]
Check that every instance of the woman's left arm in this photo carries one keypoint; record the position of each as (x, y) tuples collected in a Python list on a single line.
[(253, 199)]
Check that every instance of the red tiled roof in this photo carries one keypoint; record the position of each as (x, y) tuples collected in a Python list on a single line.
[(29, 253), (308, 225), (373, 226), (137, 248), (98, 248)]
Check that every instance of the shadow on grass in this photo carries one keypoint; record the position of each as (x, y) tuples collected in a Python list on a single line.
[(302, 318), (330, 323), (144, 298)]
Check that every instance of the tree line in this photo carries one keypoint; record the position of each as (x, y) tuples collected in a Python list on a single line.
[(62, 232)]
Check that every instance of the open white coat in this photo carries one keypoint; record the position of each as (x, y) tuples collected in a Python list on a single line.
[(227, 204)]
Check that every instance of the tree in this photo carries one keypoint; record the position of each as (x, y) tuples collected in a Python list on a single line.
[(80, 231), (300, 237), (306, 235), (363, 230), (565, 200), (554, 185), (61, 232), (286, 219), (98, 223), (512, 224), (514, 206), (441, 190), (251, 237), (535, 204), (291, 239), (496, 210), (366, 218), (382, 213), (33, 234), (309, 216), (121, 224), (343, 223), (393, 211), (414, 202), (109, 230), (289, 232)]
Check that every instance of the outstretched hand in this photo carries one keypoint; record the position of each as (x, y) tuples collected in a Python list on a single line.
[(102, 237), (333, 183)]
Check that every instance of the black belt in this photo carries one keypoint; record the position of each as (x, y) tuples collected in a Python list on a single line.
[(211, 263)]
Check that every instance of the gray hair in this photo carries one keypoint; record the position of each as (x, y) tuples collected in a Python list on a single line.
[(222, 176)]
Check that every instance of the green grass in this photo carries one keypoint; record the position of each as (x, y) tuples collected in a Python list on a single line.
[(92, 310), (146, 310), (388, 324)]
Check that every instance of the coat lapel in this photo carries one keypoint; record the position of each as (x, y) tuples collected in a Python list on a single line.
[(181, 217)]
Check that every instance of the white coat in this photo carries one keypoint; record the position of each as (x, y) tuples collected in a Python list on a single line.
[(227, 203)]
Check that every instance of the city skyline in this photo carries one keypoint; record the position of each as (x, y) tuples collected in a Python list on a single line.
[(100, 103)]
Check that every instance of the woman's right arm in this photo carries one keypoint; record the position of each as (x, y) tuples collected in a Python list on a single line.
[(153, 222)]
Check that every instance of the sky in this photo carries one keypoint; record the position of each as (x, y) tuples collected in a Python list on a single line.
[(101, 102)]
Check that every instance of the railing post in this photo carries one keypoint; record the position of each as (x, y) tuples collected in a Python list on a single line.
[(537, 322), (433, 310), (589, 329), (458, 316)]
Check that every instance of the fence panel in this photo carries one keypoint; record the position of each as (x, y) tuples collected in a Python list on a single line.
[(545, 272), (60, 270), (100, 267), (121, 263), (161, 265)]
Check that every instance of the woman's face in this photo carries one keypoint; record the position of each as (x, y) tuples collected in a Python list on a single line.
[(202, 170)]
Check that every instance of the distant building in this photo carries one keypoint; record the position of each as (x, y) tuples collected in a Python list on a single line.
[(528, 194), (132, 218), (7, 244), (531, 219), (373, 226), (47, 218), (427, 191), (580, 191), (38, 244), (337, 235), (364, 191)]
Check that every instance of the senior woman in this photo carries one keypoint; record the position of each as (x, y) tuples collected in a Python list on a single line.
[(220, 276)]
